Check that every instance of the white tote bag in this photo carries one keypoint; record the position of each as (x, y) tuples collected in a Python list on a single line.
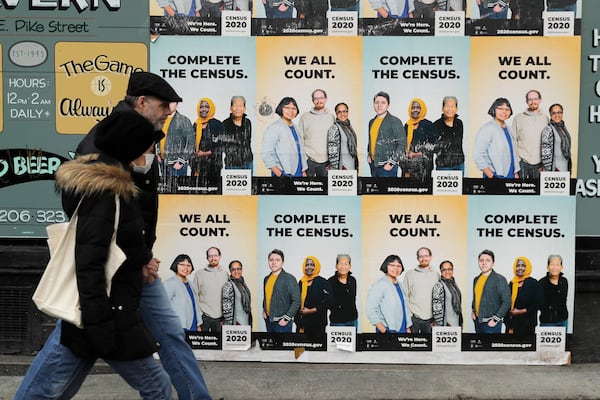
[(57, 294)]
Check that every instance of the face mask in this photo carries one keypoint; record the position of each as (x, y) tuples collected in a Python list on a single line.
[(144, 169)]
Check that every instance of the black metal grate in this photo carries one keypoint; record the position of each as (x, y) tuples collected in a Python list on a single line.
[(14, 317)]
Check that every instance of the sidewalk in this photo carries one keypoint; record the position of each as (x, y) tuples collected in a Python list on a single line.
[(253, 380)]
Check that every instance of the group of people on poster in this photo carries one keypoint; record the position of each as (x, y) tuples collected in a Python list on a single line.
[(533, 143), (320, 141), (310, 143), (524, 12), (422, 299), (202, 8), (202, 148), (425, 298), (408, 150), (313, 142), (214, 297)]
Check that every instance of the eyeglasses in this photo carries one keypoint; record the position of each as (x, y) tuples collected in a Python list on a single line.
[(235, 269), (184, 264), (319, 98), (533, 99), (423, 256), (503, 108), (342, 112), (447, 269), (289, 108), (213, 256), (556, 113)]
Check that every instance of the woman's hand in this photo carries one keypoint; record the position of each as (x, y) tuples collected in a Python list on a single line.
[(307, 311), (276, 171), (518, 311), (380, 327), (283, 322), (492, 323), (388, 166)]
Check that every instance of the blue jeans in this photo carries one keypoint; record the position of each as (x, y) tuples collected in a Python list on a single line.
[(246, 166), (355, 7), (175, 354), (388, 330), (572, 7), (564, 323), (177, 172), (69, 371), (275, 13), (274, 327), (380, 172), (379, 16), (353, 323), (490, 14), (483, 327), (56, 373), (459, 167)]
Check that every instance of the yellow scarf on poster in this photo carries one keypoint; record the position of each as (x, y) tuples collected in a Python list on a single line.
[(201, 121), (165, 130), (414, 121), (269, 291), (374, 133), (479, 291), (516, 280), (306, 278)]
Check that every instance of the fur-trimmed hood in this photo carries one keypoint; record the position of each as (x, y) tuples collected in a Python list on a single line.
[(87, 175)]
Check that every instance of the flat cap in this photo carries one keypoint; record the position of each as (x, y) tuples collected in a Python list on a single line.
[(149, 84)]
